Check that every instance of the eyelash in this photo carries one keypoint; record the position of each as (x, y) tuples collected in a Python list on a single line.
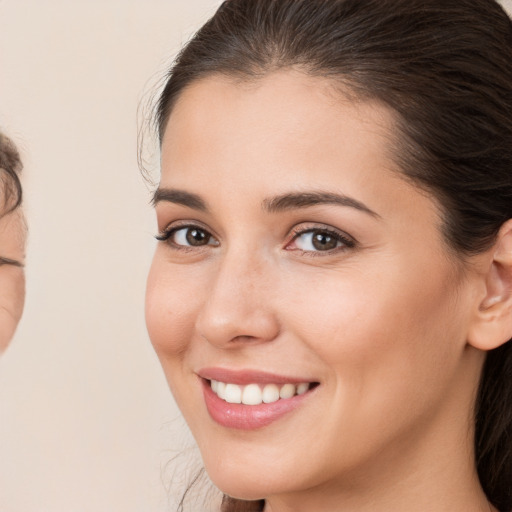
[(346, 241), (166, 235), (9, 261)]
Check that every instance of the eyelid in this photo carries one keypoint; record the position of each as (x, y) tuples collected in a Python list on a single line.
[(166, 234), (181, 224), (10, 261), (348, 241)]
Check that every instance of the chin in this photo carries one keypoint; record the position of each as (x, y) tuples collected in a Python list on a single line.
[(239, 480), (250, 480), (242, 489)]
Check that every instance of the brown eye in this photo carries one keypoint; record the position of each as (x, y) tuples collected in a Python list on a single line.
[(196, 237), (317, 240), (320, 240), (188, 236), (324, 241), (192, 236)]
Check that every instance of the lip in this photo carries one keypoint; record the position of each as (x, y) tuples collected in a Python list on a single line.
[(244, 377), (248, 417)]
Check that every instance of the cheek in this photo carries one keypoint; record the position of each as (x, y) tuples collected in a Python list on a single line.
[(379, 326), (170, 310), (12, 299), (389, 345), (174, 296)]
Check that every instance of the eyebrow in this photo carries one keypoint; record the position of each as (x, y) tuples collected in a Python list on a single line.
[(294, 201), (179, 197), (283, 202)]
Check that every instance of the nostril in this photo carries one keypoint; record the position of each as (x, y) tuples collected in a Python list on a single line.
[(244, 338)]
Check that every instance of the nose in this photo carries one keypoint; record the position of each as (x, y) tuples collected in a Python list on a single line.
[(238, 308)]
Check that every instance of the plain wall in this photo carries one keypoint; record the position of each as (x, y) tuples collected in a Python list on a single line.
[(87, 423)]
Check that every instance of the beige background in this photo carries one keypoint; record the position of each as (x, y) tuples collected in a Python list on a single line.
[(86, 421)]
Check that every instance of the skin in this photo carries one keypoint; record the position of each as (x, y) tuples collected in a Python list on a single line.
[(382, 324), (12, 275)]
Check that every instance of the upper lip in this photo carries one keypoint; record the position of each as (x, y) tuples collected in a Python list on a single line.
[(248, 376)]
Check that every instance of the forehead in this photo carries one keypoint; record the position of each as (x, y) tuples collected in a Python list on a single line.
[(285, 120), (289, 95)]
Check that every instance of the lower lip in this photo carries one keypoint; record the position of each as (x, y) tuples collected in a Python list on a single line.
[(248, 417)]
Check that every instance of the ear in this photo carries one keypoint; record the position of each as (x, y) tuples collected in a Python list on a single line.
[(492, 322)]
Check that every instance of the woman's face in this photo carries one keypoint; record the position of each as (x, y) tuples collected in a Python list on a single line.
[(297, 262), (12, 277)]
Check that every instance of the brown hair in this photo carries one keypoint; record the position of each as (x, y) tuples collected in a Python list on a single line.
[(10, 167), (445, 68)]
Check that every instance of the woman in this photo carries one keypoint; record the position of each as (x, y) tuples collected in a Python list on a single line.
[(331, 296), (12, 242)]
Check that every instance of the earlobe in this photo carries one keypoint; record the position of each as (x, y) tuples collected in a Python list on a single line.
[(492, 322)]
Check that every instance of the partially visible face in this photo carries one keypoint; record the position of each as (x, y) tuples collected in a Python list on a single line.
[(12, 276), (300, 274)]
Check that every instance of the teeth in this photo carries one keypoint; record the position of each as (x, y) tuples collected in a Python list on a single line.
[(233, 394), (270, 393), (254, 394), (302, 388), (221, 390), (287, 391)]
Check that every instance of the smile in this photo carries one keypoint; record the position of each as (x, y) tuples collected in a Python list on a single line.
[(256, 394), (248, 400)]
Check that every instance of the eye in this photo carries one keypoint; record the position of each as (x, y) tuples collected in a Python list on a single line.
[(188, 236), (320, 240), (9, 261)]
